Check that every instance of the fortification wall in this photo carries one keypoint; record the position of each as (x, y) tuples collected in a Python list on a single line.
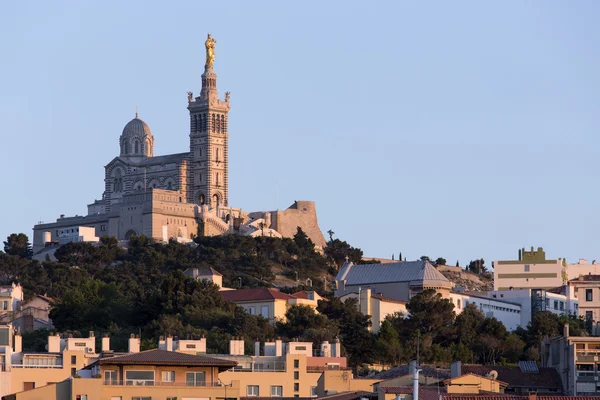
[(301, 214)]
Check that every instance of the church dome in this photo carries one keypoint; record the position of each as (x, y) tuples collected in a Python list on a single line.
[(136, 139), (137, 127)]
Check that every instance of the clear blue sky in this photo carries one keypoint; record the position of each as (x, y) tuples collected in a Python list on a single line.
[(456, 129)]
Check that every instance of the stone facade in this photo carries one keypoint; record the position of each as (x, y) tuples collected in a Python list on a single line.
[(177, 196)]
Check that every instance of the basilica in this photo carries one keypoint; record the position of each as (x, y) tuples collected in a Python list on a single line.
[(176, 196)]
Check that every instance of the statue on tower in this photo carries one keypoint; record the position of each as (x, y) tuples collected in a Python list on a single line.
[(210, 51)]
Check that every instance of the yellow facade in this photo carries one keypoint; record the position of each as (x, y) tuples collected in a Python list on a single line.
[(471, 383)]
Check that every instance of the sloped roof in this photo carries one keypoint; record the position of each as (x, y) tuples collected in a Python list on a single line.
[(164, 357), (425, 392), (457, 378), (202, 271), (387, 299), (515, 377), (257, 294), (402, 370), (366, 274)]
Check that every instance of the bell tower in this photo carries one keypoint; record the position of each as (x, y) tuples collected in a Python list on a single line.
[(209, 139)]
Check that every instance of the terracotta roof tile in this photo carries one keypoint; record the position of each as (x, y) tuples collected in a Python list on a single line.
[(258, 294), (164, 357), (425, 393), (515, 377)]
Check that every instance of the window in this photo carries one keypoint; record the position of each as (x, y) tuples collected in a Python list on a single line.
[(171, 398), (276, 391), (110, 378), (252, 390), (313, 391), (73, 371), (556, 304), (81, 397), (168, 376), (589, 315), (264, 311), (526, 267), (116, 398), (588, 295), (296, 387), (562, 305), (141, 398), (251, 310), (296, 363), (5, 305), (458, 303), (296, 375), (73, 359), (139, 378), (195, 378)]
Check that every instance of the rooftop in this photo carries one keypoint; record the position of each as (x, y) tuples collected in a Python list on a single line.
[(164, 357), (516, 377), (257, 294), (365, 274)]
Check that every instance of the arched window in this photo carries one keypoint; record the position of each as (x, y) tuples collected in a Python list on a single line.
[(201, 199), (218, 123), (169, 185), (217, 179), (214, 122), (215, 200), (222, 124), (199, 151), (137, 147), (217, 154), (124, 147)]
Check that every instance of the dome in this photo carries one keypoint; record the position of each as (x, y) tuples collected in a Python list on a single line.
[(136, 139), (136, 127)]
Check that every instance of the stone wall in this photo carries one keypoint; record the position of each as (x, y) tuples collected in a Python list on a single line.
[(301, 214)]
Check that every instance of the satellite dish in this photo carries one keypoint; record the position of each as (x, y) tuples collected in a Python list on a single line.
[(493, 375)]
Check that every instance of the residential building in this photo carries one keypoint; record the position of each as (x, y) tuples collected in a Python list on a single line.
[(531, 271), (376, 305), (576, 359), (473, 383), (586, 289), (525, 378), (560, 301), (399, 280), (205, 273), (507, 312), (268, 302), (11, 297), (151, 374), (30, 315), (21, 371)]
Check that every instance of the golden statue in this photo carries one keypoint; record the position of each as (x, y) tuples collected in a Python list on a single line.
[(210, 51)]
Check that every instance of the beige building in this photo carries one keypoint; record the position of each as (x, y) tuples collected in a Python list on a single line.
[(30, 315), (377, 306), (11, 297), (531, 271), (399, 280), (178, 196), (576, 359), (586, 290), (268, 302), (205, 274)]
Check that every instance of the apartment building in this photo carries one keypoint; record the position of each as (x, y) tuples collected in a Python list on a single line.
[(505, 311), (576, 359), (11, 297), (586, 289)]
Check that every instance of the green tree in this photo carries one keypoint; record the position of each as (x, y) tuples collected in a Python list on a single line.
[(17, 244), (440, 261), (387, 345)]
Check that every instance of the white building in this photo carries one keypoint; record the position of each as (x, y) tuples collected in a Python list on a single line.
[(507, 312), (10, 298), (77, 234)]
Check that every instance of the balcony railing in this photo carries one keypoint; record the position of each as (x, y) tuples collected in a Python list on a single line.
[(136, 382), (36, 366)]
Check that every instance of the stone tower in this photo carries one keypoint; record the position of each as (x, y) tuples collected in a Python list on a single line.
[(209, 141)]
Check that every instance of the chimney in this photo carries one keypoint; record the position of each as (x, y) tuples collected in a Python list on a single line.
[(202, 348), (325, 349), (54, 344), (18, 342), (91, 334), (105, 342), (532, 396), (162, 345), (134, 344), (278, 347), (455, 369), (336, 348), (257, 349), (566, 330), (169, 343)]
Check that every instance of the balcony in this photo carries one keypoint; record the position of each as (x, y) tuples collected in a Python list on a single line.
[(130, 382), (36, 366)]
